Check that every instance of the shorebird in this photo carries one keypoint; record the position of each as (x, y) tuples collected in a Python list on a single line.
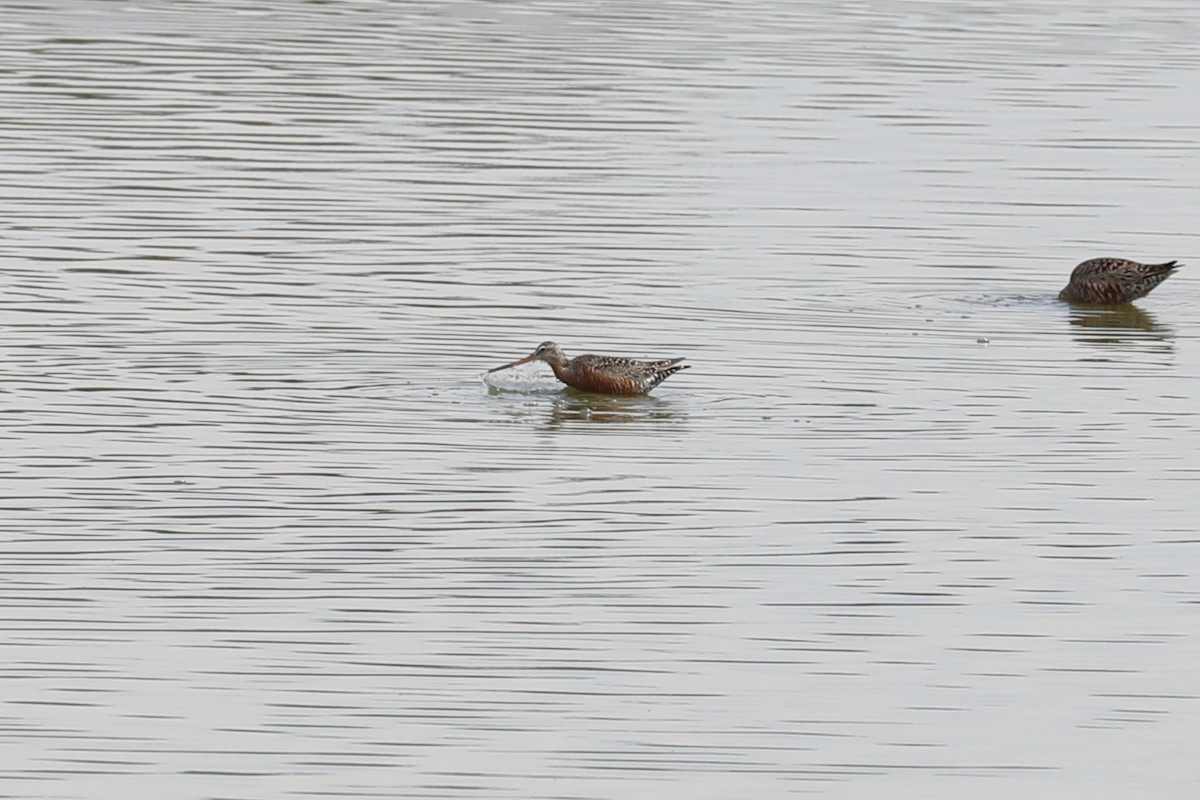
[(1113, 281), (602, 374)]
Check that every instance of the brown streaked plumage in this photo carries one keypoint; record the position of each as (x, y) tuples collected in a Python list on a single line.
[(1113, 281), (602, 374)]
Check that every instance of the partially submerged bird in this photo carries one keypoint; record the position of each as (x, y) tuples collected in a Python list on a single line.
[(602, 374), (1113, 281)]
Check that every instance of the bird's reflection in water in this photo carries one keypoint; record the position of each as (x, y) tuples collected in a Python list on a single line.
[(572, 406), (1121, 325), (567, 406)]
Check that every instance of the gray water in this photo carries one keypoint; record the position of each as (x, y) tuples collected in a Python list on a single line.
[(909, 527)]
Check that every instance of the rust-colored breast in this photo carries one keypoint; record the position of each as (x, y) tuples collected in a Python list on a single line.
[(593, 380)]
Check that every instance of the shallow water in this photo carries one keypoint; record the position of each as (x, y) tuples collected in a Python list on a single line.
[(908, 527)]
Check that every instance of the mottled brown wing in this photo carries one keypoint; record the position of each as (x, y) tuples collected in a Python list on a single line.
[(662, 374)]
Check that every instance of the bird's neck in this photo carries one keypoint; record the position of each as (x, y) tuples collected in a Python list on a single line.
[(560, 367)]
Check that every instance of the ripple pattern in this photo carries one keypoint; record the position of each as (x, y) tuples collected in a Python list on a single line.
[(910, 527)]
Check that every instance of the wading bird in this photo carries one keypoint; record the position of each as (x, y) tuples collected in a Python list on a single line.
[(602, 374), (1113, 281)]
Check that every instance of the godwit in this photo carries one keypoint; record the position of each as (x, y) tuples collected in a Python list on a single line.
[(602, 374), (1113, 281)]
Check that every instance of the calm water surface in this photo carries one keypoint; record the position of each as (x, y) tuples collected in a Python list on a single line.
[(909, 528)]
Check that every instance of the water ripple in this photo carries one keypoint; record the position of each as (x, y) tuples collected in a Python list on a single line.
[(909, 525)]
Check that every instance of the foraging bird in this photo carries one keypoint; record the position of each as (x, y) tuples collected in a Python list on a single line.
[(602, 374), (1113, 281)]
